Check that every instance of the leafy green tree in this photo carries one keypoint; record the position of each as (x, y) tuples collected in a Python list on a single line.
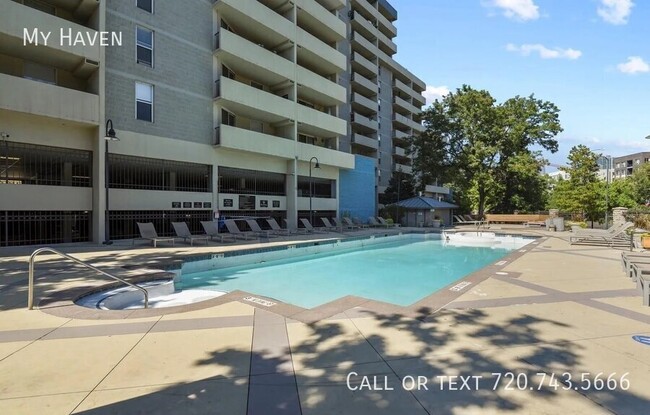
[(583, 192), (400, 187), (483, 149), (622, 192), (641, 183)]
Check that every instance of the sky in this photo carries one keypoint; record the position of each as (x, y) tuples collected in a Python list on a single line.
[(589, 57)]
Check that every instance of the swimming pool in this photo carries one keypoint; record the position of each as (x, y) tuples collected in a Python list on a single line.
[(398, 270)]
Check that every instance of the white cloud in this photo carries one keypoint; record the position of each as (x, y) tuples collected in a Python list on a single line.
[(634, 65), (544, 52), (516, 9), (615, 11), (433, 93)]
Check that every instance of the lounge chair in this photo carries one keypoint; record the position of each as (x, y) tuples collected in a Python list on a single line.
[(372, 221), (298, 230), (386, 224), (275, 227), (211, 229), (182, 231), (328, 225), (611, 236), (310, 228), (234, 230), (630, 258), (255, 227), (642, 275), (348, 224), (461, 220), (148, 232), (357, 222), (468, 218)]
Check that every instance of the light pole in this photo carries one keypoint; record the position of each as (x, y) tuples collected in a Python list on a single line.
[(109, 136), (609, 167), (311, 189)]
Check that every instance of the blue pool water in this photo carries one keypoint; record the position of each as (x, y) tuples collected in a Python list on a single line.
[(400, 272)]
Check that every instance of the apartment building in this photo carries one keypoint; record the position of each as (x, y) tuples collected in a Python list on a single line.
[(385, 99), (624, 166), (237, 108)]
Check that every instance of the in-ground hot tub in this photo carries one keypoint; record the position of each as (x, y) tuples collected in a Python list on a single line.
[(162, 293)]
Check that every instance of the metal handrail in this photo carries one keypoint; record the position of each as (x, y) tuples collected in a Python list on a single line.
[(32, 258)]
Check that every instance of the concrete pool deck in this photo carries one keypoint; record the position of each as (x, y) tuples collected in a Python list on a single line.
[(556, 308)]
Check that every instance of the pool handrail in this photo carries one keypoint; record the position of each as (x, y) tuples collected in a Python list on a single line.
[(32, 258)]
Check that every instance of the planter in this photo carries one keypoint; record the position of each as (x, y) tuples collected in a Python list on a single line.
[(645, 242)]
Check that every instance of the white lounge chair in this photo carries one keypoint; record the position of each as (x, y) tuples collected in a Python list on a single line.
[(310, 228), (298, 230), (328, 225), (255, 227), (386, 224), (211, 229), (234, 230), (372, 221), (642, 276), (275, 227), (347, 223), (460, 220), (357, 222), (182, 231), (615, 234), (148, 232)]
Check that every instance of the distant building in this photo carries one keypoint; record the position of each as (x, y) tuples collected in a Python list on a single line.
[(560, 174), (626, 165)]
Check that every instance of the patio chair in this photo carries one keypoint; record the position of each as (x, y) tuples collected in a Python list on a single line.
[(148, 232), (357, 222), (615, 234), (372, 221), (298, 230), (234, 230), (642, 276), (310, 228), (211, 229), (348, 224), (182, 231), (329, 227), (461, 220), (255, 227), (275, 227), (630, 258), (386, 224)]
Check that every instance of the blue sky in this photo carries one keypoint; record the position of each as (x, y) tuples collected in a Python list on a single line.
[(589, 57)]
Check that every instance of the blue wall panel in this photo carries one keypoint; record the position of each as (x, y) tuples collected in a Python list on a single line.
[(357, 189)]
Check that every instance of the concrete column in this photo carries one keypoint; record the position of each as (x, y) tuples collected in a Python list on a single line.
[(618, 215), (292, 194), (99, 189)]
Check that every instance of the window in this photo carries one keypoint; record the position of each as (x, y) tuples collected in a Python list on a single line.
[(40, 73), (257, 85), (144, 102), (228, 118), (144, 46), (146, 5), (39, 5), (305, 103), (307, 139), (251, 182)]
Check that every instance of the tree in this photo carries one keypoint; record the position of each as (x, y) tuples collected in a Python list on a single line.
[(641, 183), (400, 187), (622, 193), (483, 149), (583, 192)]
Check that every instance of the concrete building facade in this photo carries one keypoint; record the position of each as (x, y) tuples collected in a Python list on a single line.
[(237, 108), (624, 166)]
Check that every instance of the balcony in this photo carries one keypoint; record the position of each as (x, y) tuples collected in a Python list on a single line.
[(251, 141), (25, 95), (364, 85), (315, 54), (372, 14), (256, 21), (361, 25), (363, 105), (437, 189), (362, 45), (315, 88), (399, 152), (253, 103), (326, 25), (401, 86), (364, 141), (320, 124), (61, 53), (386, 45), (363, 66), (400, 137), (403, 105), (364, 123), (326, 156), (401, 121), (403, 168)]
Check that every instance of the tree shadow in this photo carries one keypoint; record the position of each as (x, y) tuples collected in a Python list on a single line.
[(311, 376)]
